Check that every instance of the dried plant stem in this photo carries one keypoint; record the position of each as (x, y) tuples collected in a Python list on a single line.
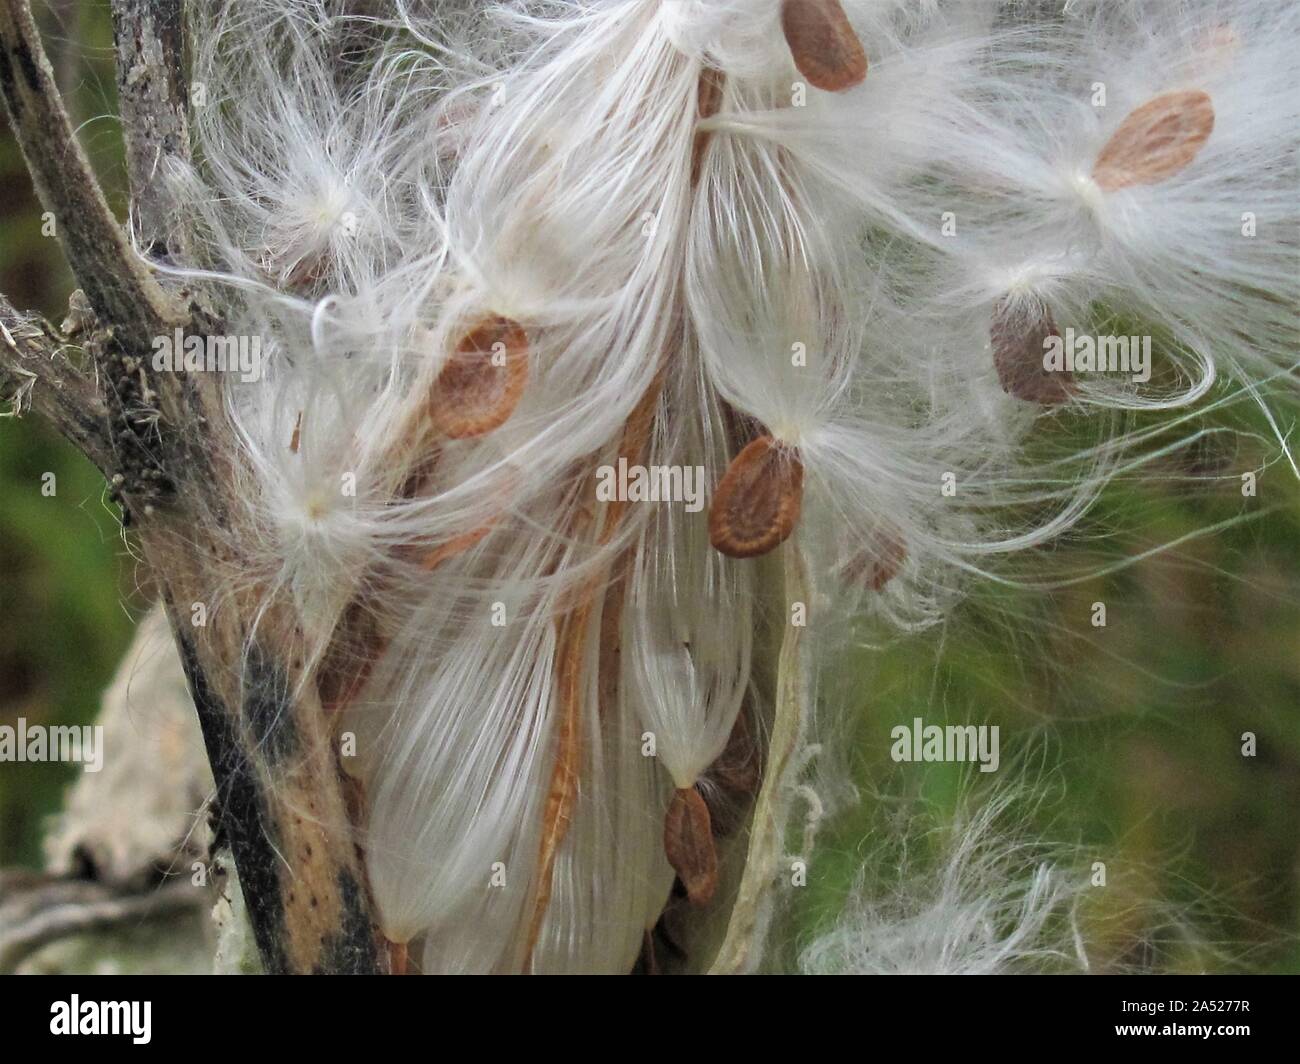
[(36, 910), (767, 830), (36, 374), (148, 37)]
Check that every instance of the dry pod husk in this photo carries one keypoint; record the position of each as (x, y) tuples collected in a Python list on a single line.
[(732, 781)]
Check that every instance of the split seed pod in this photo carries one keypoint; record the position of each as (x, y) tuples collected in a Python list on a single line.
[(1019, 330), (826, 50), (733, 779), (480, 386), (758, 500), (1156, 141), (688, 845)]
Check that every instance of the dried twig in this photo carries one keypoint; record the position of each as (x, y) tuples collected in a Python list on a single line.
[(148, 36), (36, 374), (37, 910)]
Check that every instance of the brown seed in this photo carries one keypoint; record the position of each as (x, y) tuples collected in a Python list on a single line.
[(308, 273), (757, 502), (430, 558), (1019, 331), (876, 566), (481, 383), (688, 844), (826, 50), (1156, 141), (296, 439), (419, 477), (355, 649)]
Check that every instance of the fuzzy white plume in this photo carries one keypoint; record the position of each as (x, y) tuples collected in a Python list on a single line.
[(992, 903)]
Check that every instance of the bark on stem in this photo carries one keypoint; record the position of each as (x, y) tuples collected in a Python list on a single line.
[(278, 800), (148, 37)]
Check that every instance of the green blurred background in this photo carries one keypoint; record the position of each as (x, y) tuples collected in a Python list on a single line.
[(66, 578), (1135, 729)]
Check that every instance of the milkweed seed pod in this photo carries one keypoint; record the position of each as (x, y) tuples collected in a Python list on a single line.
[(586, 325)]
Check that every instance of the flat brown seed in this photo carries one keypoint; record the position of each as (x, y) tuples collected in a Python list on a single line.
[(480, 386), (826, 50), (355, 649), (1156, 141), (757, 502), (876, 566), (688, 844), (1019, 332)]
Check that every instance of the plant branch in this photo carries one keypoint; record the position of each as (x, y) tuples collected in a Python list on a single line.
[(154, 417), (279, 801), (115, 280), (36, 374), (37, 910), (149, 38)]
